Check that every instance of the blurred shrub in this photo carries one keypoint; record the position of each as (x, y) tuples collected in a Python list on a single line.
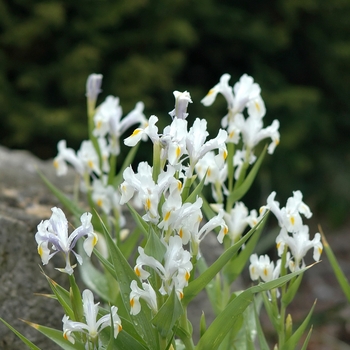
[(298, 51)]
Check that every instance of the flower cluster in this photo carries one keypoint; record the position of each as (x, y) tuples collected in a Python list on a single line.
[(294, 236), (174, 274), (173, 217), (244, 94)]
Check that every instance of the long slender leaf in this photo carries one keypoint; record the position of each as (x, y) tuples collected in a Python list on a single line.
[(95, 280), (220, 327), (66, 201), (20, 336), (142, 224), (261, 336), (292, 290), (196, 192), (128, 245), (124, 275), (238, 193), (342, 280), (236, 265), (62, 295), (57, 337), (168, 314), (292, 342), (307, 339)]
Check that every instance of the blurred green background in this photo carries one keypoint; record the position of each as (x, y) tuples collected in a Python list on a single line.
[(297, 50)]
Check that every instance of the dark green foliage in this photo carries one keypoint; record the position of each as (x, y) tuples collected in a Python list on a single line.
[(298, 51)]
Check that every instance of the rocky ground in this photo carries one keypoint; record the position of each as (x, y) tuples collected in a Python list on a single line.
[(25, 201)]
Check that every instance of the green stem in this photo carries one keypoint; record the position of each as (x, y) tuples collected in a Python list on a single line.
[(230, 168), (184, 324), (112, 169), (156, 161)]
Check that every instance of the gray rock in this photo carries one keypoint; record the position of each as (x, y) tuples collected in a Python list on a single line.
[(24, 202)]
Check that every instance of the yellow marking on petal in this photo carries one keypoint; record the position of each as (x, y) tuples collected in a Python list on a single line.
[(99, 124), (120, 327), (277, 142), (179, 185), (148, 204), (257, 106), (208, 172), (265, 271), (181, 295), (132, 302), (210, 92), (178, 151), (136, 131), (224, 154), (94, 242), (320, 250), (40, 250), (137, 271), (278, 245), (99, 202), (65, 336), (187, 276), (56, 164), (167, 216), (231, 134), (181, 232), (225, 230), (90, 164), (252, 269), (292, 220)]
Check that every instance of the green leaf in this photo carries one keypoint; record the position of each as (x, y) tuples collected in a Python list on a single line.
[(20, 336), (292, 290), (128, 245), (167, 315), (202, 324), (154, 247), (66, 201), (234, 268), (187, 186), (261, 335), (342, 280), (238, 193), (292, 342), (62, 295), (100, 283), (223, 323), (76, 300), (124, 275), (125, 341), (307, 339), (195, 286), (142, 224), (196, 192), (57, 337)]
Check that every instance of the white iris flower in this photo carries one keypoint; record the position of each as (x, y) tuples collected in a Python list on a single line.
[(92, 327), (174, 271), (53, 234)]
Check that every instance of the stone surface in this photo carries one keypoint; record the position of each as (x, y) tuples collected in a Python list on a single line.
[(24, 202)]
